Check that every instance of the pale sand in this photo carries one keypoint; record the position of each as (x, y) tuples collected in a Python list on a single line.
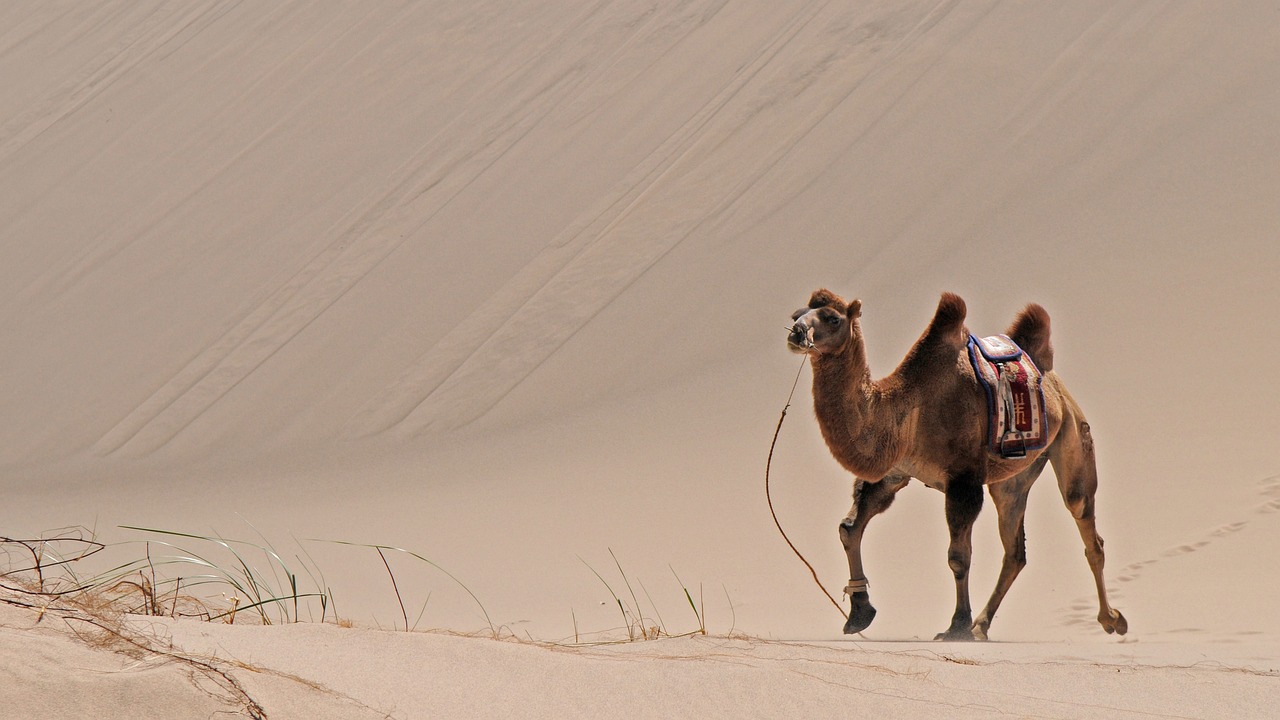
[(506, 286)]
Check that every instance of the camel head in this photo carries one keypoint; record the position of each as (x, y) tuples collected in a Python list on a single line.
[(825, 326)]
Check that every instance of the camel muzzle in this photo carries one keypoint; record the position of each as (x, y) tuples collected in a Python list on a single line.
[(800, 339)]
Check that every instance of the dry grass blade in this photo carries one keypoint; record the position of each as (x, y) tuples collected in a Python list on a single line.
[(395, 587), (639, 613), (41, 550), (662, 625), (621, 608), (702, 626), (493, 630)]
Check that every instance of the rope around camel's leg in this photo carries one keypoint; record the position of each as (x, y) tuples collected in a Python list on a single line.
[(768, 496)]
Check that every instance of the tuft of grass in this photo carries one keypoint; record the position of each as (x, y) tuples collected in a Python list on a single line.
[(274, 597), (168, 573), (182, 574), (206, 577), (494, 630), (638, 624)]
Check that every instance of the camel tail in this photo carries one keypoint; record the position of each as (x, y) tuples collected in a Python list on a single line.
[(1031, 331)]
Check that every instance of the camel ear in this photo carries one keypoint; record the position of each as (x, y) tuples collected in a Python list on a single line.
[(854, 310)]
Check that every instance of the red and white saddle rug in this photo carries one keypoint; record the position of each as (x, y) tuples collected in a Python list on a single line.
[(1016, 420)]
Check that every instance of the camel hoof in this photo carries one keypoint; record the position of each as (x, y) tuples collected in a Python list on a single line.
[(956, 635), (860, 613), (1114, 623), (979, 632)]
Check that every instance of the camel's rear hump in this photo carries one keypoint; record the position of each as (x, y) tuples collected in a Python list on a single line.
[(1031, 331)]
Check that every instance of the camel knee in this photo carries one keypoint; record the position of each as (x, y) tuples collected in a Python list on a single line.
[(846, 533), (958, 561), (1079, 504)]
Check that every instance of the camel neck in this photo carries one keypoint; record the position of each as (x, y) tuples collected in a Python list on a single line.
[(857, 417), (841, 377)]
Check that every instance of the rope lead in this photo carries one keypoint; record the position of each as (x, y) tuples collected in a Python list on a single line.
[(768, 464)]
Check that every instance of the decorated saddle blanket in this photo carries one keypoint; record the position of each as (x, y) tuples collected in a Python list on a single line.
[(1016, 420)]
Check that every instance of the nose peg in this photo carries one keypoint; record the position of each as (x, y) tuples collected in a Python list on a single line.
[(802, 335)]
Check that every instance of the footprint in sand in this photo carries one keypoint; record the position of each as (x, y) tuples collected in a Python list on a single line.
[(1269, 488), (1226, 530), (1270, 507), (1183, 549)]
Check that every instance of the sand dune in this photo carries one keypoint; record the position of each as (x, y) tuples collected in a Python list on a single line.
[(505, 285)]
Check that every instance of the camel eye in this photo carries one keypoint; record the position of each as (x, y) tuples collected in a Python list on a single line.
[(833, 320)]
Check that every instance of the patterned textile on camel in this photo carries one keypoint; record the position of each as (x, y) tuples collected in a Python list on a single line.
[(1015, 399)]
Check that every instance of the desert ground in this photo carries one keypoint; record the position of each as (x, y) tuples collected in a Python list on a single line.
[(470, 318)]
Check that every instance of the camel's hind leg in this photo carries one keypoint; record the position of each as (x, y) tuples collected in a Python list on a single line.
[(1074, 463), (1010, 497)]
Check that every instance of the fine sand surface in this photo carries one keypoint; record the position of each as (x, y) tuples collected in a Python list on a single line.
[(505, 285), (311, 671)]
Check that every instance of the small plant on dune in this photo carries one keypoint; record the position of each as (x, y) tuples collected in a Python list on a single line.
[(268, 587), (217, 579), (637, 624), (180, 574), (494, 631), (215, 583)]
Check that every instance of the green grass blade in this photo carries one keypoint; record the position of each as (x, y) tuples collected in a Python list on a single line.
[(492, 629)]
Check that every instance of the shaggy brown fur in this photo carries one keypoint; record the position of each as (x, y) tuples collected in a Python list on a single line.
[(927, 420), (1031, 331)]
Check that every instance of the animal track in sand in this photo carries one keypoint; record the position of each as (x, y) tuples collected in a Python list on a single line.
[(1078, 611), (1270, 488)]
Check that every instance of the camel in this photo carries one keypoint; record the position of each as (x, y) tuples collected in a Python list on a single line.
[(928, 420)]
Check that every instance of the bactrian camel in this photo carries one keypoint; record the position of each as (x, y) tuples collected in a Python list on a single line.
[(928, 420)]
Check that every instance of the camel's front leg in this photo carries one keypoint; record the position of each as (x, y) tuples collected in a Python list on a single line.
[(869, 499), (964, 501)]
